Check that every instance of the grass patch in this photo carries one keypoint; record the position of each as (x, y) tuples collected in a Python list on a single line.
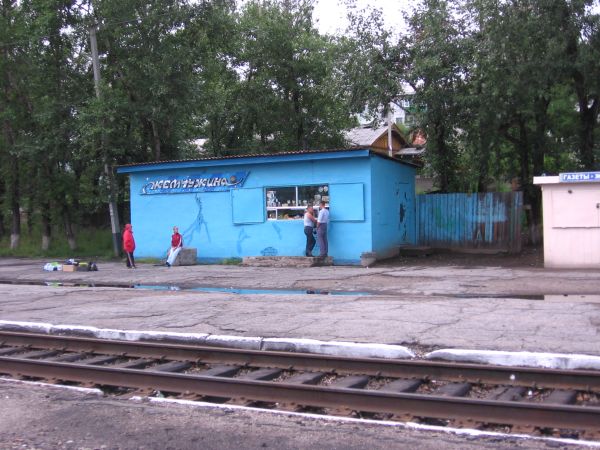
[(91, 243), (148, 260), (231, 261)]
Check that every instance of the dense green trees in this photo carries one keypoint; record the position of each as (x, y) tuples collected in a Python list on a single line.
[(280, 91), (502, 88), (255, 78)]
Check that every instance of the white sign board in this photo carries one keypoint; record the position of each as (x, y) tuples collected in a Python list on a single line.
[(575, 177)]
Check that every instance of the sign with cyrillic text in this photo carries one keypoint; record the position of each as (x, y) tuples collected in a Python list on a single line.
[(214, 182), (575, 177)]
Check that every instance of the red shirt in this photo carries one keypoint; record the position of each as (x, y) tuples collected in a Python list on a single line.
[(176, 240)]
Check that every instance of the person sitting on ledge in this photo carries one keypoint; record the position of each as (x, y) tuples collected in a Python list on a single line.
[(176, 245)]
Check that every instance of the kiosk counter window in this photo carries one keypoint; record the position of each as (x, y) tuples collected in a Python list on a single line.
[(289, 202)]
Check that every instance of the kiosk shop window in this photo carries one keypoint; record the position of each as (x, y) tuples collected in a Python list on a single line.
[(289, 202)]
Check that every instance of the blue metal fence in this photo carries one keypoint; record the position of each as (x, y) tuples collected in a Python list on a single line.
[(471, 221)]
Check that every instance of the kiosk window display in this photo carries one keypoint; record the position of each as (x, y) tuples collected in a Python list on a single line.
[(289, 202)]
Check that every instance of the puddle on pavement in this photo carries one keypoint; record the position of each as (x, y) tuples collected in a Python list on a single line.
[(498, 296), (233, 290), (573, 298), (166, 287), (584, 298)]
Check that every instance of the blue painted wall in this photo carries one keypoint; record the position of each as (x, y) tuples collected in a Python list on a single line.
[(393, 203), (233, 223)]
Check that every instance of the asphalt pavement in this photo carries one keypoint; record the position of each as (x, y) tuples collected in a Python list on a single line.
[(421, 307)]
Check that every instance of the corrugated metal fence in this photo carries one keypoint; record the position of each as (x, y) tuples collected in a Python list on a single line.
[(489, 220)]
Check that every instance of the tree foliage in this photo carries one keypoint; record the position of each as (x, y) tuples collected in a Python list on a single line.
[(503, 89)]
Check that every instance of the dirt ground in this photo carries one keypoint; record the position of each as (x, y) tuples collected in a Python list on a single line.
[(528, 257)]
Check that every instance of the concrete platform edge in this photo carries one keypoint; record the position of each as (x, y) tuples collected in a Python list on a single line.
[(524, 359), (333, 348), (338, 348)]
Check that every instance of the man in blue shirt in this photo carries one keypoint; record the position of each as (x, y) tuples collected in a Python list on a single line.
[(322, 221)]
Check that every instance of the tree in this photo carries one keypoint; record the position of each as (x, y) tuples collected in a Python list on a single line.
[(580, 27), (430, 58), (436, 67), (374, 64), (54, 86), (147, 75), (285, 95), (518, 78), (487, 74), (14, 110)]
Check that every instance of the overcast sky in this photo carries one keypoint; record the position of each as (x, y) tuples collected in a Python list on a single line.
[(331, 14)]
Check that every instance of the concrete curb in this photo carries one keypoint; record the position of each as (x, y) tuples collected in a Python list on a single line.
[(334, 348), (525, 359), (338, 348), (101, 333), (245, 343)]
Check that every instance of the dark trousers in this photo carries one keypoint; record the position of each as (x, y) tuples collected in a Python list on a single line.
[(310, 241), (130, 260), (322, 237)]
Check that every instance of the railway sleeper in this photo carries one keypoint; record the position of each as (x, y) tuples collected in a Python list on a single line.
[(351, 382), (306, 378), (99, 360), (39, 354), (172, 366), (562, 397), (134, 364), (220, 371), (402, 385), (508, 393), (454, 390), (9, 351), (262, 375), (69, 357)]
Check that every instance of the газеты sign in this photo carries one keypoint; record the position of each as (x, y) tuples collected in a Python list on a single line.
[(578, 176)]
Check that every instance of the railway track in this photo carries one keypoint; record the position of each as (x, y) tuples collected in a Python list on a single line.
[(540, 401)]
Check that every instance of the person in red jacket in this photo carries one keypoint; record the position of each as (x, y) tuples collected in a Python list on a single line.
[(129, 245)]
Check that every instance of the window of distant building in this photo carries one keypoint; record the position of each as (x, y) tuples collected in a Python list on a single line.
[(409, 119)]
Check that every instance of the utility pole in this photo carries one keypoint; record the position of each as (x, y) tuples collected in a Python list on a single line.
[(112, 204), (389, 131)]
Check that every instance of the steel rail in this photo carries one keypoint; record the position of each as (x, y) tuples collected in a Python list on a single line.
[(515, 413), (586, 380)]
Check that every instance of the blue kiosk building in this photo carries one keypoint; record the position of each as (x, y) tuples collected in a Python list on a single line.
[(253, 205)]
